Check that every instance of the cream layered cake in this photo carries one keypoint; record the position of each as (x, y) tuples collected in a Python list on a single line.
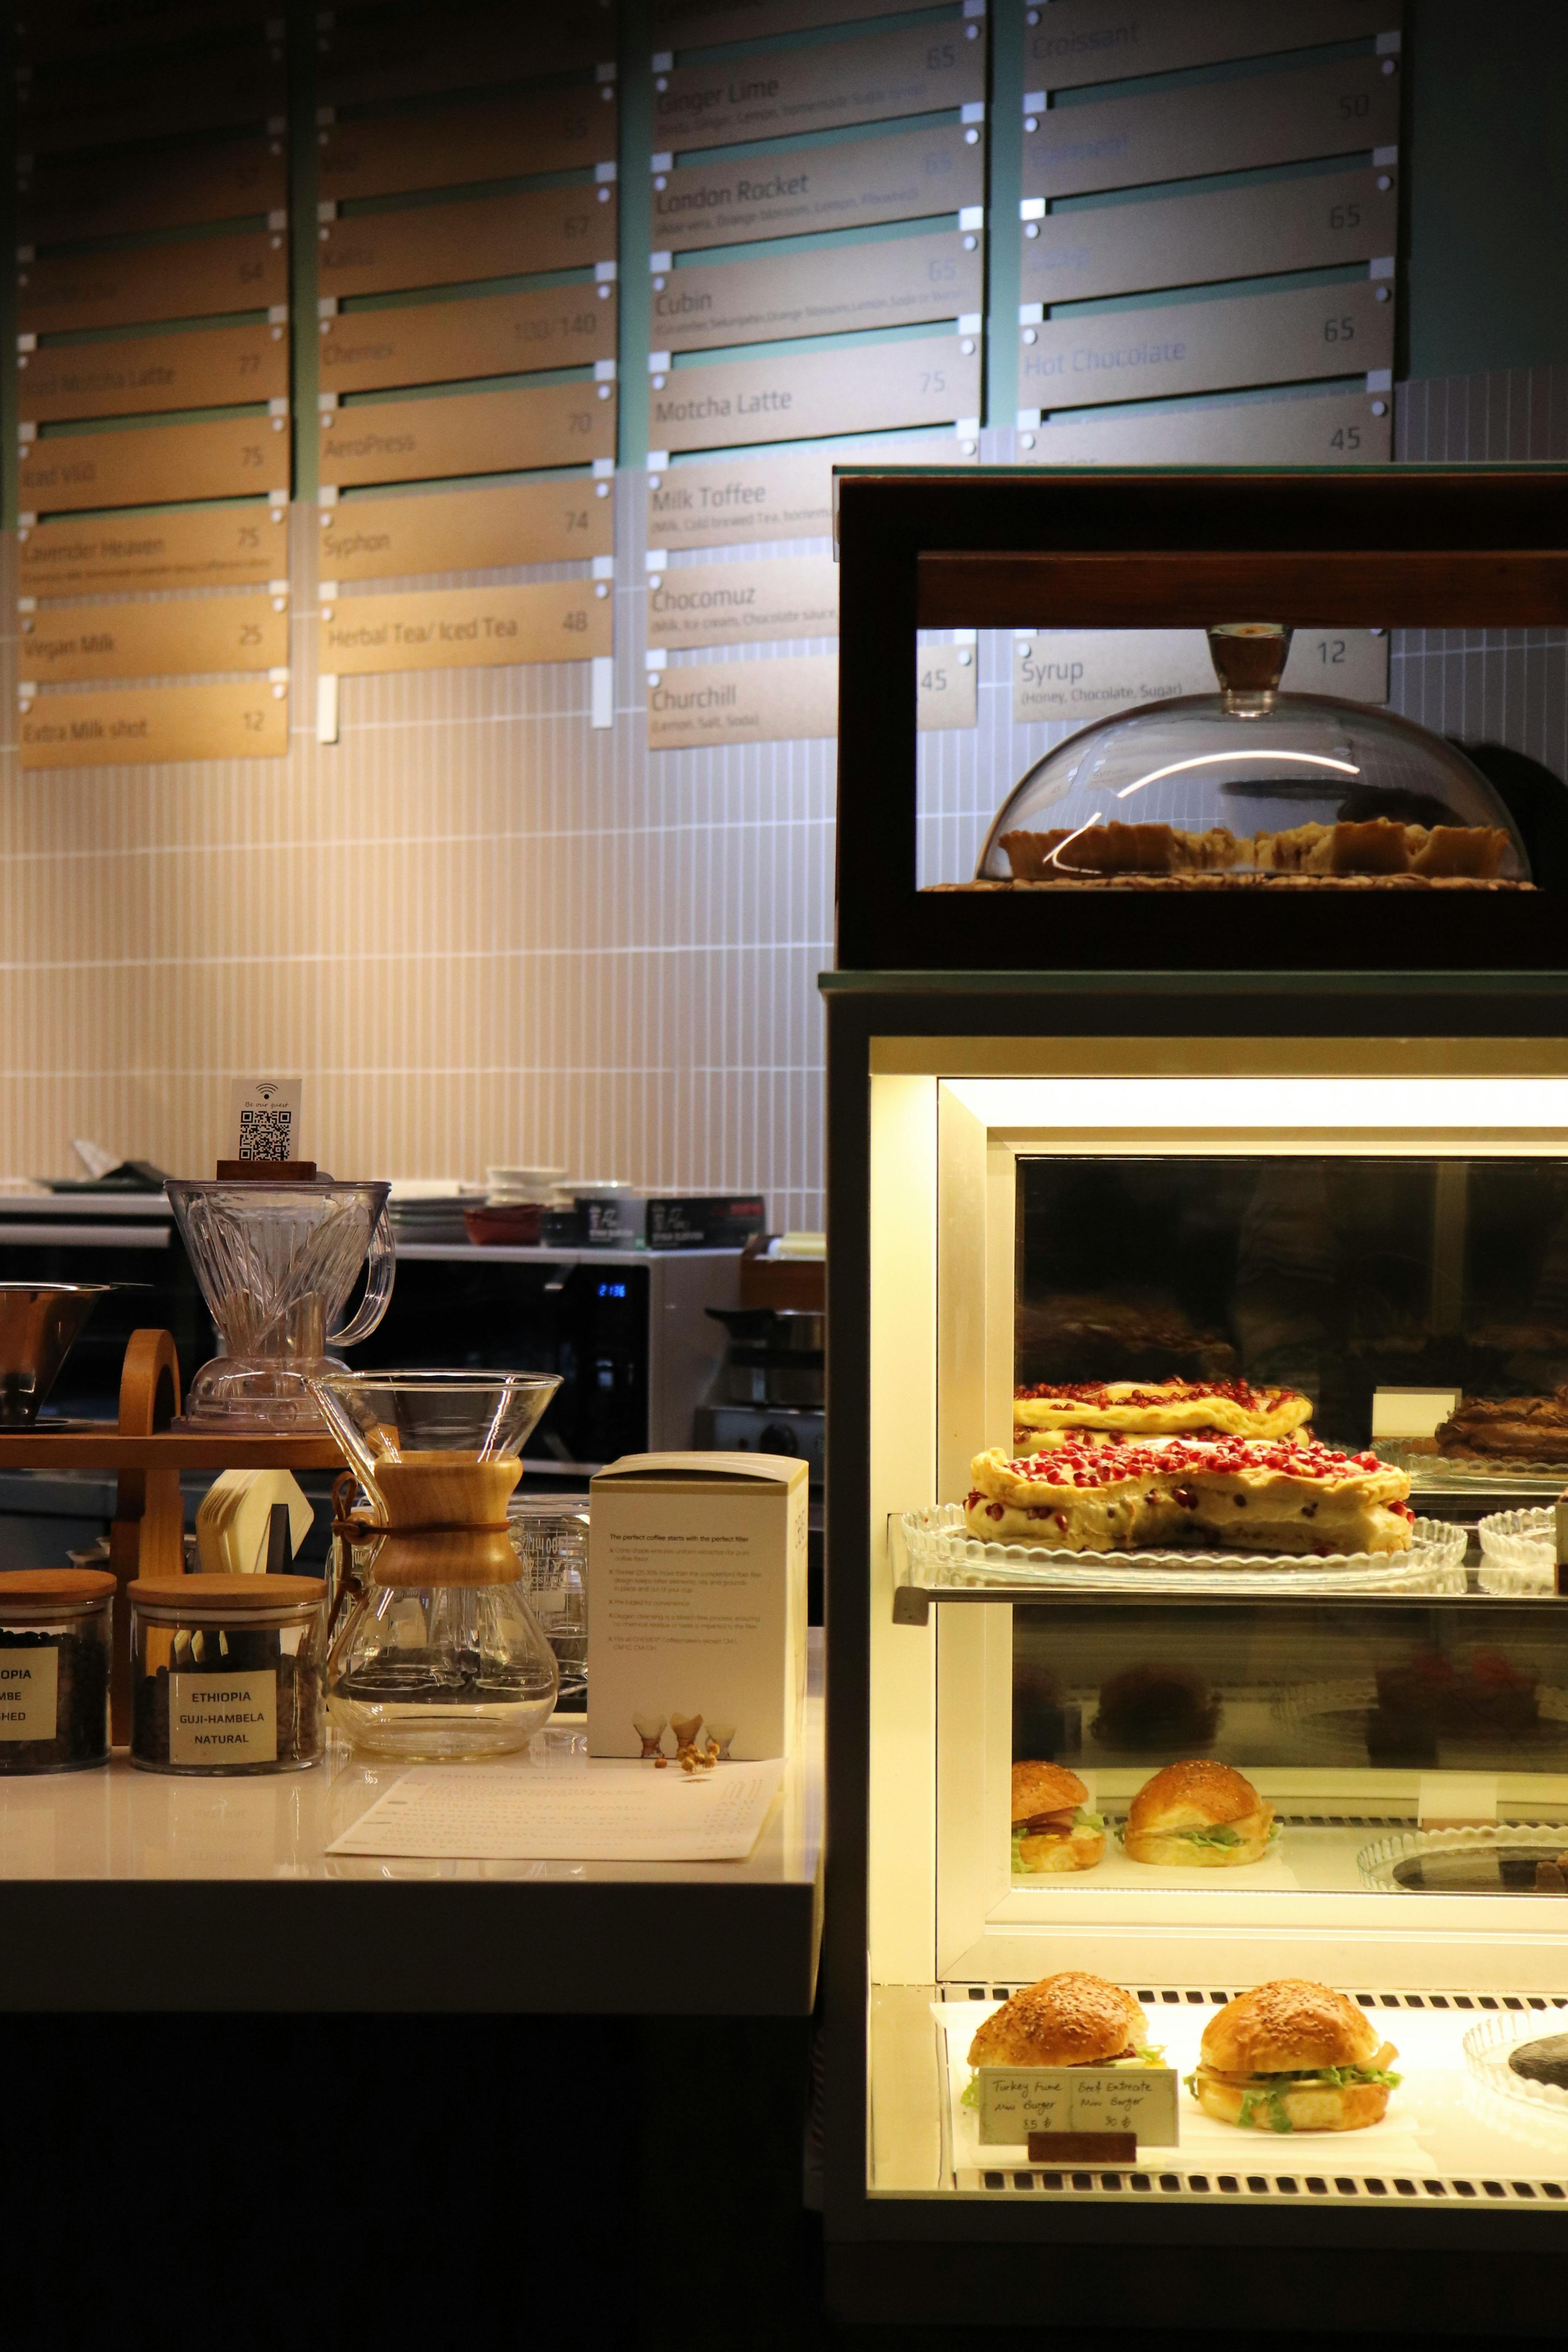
[(1284, 1496), (1110, 1410)]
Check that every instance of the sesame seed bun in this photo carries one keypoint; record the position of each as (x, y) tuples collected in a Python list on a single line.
[(1288, 2025), (1045, 1788), (1197, 1796), (1068, 2020)]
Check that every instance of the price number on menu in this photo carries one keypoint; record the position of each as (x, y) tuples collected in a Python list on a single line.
[(1018, 2100)]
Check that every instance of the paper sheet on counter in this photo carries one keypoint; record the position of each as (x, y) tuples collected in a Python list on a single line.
[(595, 1812)]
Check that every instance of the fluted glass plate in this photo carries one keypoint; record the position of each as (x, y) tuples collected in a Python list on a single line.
[(1489, 2045), (1424, 1468), (1519, 1551)]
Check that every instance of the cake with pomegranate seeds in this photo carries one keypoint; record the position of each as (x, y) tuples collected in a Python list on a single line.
[(1042, 1412), (1282, 1495)]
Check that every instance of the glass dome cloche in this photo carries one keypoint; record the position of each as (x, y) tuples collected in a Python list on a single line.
[(1249, 787)]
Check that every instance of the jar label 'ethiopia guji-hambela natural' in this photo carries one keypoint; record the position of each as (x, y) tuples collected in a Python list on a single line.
[(218, 1720), (29, 1684)]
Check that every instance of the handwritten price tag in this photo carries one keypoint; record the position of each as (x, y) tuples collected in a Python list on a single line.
[(1138, 2101)]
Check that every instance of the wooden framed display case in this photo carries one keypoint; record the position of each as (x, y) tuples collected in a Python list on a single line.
[(1349, 1181)]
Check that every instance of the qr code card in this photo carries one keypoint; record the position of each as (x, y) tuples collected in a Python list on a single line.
[(263, 1118)]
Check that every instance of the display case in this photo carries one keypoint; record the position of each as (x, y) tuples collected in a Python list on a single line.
[(1310, 1226)]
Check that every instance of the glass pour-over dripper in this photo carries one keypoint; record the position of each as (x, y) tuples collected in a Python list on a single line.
[(276, 1263), (441, 1657)]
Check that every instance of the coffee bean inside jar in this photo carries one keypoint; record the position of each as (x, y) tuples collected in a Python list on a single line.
[(55, 1645), (226, 1673)]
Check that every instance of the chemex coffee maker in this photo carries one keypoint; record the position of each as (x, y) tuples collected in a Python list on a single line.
[(277, 1250)]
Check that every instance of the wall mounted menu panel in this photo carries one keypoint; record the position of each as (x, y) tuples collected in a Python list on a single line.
[(60, 199), (772, 493), (499, 334), (1081, 675), (140, 725), (743, 603), (895, 283), (467, 433), (1338, 428), (1088, 357), (454, 245), (135, 285), (1129, 248), (168, 639), (911, 176), (372, 53), (918, 70), (223, 457), (947, 691), (781, 701), (466, 629), (92, 28), (702, 24), (1073, 42), (468, 139), (923, 382), (152, 97), (133, 375), (1342, 108), (468, 531), (206, 547)]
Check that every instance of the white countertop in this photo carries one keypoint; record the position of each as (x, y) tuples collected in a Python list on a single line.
[(128, 1890)]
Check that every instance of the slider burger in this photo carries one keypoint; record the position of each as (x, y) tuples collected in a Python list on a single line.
[(1202, 1815), (1070, 2019), (1051, 1831), (1293, 2056)]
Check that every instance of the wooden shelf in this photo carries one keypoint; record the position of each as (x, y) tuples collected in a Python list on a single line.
[(80, 1449)]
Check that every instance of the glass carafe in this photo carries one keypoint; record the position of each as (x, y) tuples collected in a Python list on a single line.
[(440, 1656), (276, 1263)]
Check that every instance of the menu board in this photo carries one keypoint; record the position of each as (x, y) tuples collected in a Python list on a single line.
[(60, 198), (1343, 108), (370, 54), (143, 724), (220, 457), (773, 493), (448, 245), (910, 176), (947, 687), (466, 629), (871, 78), (133, 375), (796, 393), (147, 98), (555, 130), (1079, 675), (496, 334), (468, 531), (1338, 429), (199, 547), (138, 284), (786, 700), (743, 603), (894, 283), (1077, 41), (88, 28), (1306, 224), (467, 433), (702, 24), (166, 639), (1087, 358)]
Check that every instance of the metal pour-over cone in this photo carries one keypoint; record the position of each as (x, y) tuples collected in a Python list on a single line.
[(38, 1325)]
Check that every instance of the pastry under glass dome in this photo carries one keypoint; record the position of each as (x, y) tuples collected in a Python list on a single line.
[(1249, 786)]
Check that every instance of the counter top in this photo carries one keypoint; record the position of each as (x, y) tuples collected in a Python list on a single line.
[(144, 1891)]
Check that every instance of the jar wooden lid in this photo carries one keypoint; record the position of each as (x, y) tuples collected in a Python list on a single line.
[(197, 1592), (54, 1584)]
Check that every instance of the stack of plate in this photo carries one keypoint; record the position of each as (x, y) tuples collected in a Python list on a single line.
[(430, 1208), (508, 1187)]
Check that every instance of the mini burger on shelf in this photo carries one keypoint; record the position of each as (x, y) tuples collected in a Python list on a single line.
[(1051, 1829), (1072, 2019), (1293, 2056), (1199, 1815)]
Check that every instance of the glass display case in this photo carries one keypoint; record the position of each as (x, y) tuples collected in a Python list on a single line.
[(1199, 1352)]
